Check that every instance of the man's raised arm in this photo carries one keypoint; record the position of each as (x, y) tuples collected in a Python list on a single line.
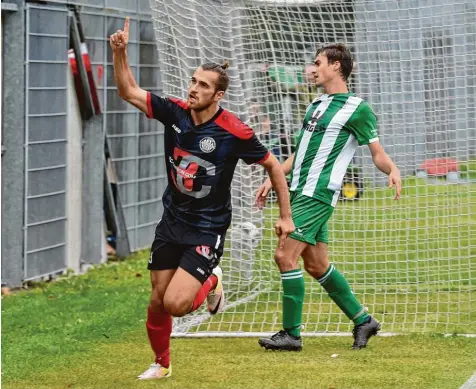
[(125, 82)]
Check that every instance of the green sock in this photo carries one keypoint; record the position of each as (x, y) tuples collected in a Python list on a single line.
[(293, 299), (339, 291)]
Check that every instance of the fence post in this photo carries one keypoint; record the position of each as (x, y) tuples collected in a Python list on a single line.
[(13, 161)]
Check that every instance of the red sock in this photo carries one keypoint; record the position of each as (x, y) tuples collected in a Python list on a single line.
[(209, 284), (159, 328)]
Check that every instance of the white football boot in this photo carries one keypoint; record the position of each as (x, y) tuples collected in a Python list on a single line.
[(216, 297), (155, 372)]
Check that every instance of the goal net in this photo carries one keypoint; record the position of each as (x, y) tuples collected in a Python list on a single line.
[(412, 263)]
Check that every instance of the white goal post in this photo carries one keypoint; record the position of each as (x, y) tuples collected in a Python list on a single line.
[(412, 263)]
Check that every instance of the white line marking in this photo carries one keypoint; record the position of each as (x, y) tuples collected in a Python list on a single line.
[(471, 383)]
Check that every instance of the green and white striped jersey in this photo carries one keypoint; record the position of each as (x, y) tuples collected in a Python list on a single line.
[(333, 127)]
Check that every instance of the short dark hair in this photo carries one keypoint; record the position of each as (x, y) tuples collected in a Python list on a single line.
[(223, 80), (338, 53)]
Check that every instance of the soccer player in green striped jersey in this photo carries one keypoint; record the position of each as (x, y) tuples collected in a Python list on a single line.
[(335, 124)]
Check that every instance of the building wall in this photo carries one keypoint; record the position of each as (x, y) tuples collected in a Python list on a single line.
[(52, 209), (13, 139), (417, 67)]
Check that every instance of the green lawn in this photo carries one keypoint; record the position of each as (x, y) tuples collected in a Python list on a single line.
[(413, 263), (88, 332)]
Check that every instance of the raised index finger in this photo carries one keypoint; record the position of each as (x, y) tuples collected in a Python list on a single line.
[(126, 26)]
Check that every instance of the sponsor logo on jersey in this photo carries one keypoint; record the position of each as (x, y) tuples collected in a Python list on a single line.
[(310, 126), (184, 173), (176, 128), (313, 126), (207, 144), (181, 172)]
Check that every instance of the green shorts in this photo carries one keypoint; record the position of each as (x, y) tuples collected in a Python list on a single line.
[(310, 218)]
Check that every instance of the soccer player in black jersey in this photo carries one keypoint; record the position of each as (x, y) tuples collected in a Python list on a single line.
[(203, 143)]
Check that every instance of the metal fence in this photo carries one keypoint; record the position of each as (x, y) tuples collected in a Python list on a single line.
[(426, 67), (46, 67), (13, 140), (52, 210), (135, 142)]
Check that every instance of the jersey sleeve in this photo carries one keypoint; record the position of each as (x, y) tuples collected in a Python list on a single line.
[(251, 150), (247, 146), (364, 125), (163, 109)]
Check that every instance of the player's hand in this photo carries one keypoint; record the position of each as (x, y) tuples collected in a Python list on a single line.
[(394, 180), (283, 227), (120, 39), (262, 193)]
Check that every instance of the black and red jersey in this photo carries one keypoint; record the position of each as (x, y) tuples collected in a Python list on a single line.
[(200, 162)]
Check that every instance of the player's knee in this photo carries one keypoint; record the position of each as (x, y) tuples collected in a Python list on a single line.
[(176, 306), (279, 257), (314, 269), (156, 301), (283, 261), (177, 310)]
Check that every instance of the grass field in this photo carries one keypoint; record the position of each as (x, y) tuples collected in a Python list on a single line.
[(88, 332), (413, 263)]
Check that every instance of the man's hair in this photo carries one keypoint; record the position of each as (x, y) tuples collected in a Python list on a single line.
[(338, 53), (223, 80)]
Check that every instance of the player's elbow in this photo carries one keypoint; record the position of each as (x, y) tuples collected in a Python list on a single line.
[(177, 304), (276, 171), (125, 93), (271, 164), (375, 160), (128, 92), (378, 156)]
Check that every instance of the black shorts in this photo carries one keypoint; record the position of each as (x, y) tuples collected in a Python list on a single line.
[(198, 260)]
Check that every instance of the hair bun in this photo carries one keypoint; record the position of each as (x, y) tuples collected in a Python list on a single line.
[(225, 65)]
